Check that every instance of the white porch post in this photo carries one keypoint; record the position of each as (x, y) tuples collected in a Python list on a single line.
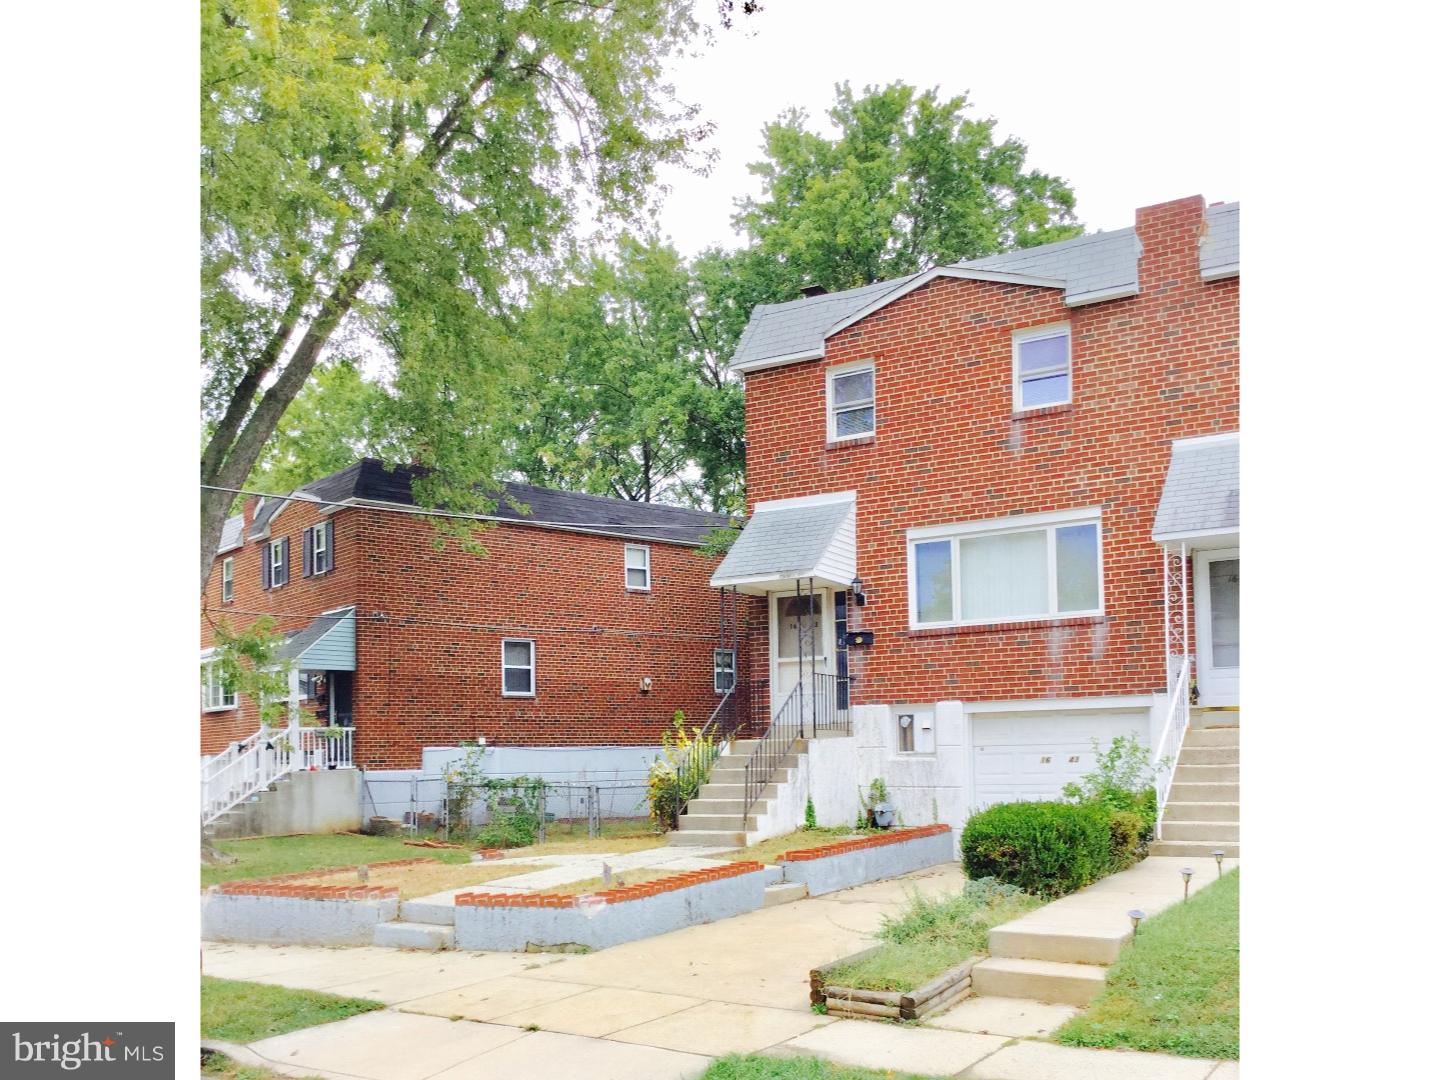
[(294, 706)]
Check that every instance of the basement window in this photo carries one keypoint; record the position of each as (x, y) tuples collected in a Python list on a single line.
[(517, 667)]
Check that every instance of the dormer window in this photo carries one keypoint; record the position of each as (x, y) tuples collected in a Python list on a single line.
[(1042, 367), (850, 401)]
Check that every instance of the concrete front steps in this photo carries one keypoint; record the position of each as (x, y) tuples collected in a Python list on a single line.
[(715, 818), (1052, 982), (1202, 813), (430, 927)]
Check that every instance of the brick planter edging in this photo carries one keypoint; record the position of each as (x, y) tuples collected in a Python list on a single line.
[(519, 921), (848, 863), (284, 884), (842, 847), (610, 896)]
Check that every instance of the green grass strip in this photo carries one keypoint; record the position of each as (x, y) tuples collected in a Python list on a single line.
[(759, 1067), (244, 1012), (1176, 988)]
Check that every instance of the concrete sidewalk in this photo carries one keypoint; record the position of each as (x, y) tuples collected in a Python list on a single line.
[(659, 1008)]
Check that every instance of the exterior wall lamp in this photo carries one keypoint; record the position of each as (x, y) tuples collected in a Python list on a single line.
[(857, 589)]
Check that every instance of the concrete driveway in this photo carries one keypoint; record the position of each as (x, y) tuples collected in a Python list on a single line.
[(658, 1008)]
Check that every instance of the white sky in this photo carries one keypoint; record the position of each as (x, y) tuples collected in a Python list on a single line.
[(1132, 104)]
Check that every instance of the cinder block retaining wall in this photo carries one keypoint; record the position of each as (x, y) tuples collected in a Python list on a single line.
[(512, 921), (281, 910), (842, 865)]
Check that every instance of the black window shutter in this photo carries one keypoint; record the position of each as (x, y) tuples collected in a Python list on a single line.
[(308, 567), (329, 546), (265, 565), (285, 561)]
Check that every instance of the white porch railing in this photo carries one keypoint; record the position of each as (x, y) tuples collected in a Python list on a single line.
[(253, 764), (1167, 750)]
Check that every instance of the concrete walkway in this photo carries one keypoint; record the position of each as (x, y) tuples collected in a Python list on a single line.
[(659, 1008)]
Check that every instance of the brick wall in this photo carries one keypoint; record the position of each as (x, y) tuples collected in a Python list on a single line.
[(1159, 366), (430, 621)]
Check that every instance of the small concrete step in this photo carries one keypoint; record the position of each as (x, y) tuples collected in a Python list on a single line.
[(1209, 755), (690, 821), (1220, 792), (1213, 736), (1192, 849), (706, 805), (1201, 811), (1214, 717), (1022, 940), (713, 790), (1221, 832), (705, 838), (409, 935), (1038, 980), (435, 914), (785, 893), (1207, 774)]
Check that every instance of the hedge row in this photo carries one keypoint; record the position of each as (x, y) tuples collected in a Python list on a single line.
[(1052, 848)]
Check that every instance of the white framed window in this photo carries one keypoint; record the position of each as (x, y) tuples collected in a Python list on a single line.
[(214, 694), (914, 730), (1041, 366), (517, 667), (724, 670), (850, 401), (227, 580), (319, 553), (279, 555), (1041, 566), (637, 567)]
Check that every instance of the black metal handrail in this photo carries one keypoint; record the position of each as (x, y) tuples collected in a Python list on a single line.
[(709, 742), (831, 703), (786, 729)]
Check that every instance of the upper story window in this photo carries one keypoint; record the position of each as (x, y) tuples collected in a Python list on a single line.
[(214, 694), (637, 567), (1040, 566), (319, 549), (227, 580), (850, 401), (275, 563), (724, 670), (1042, 367), (517, 667)]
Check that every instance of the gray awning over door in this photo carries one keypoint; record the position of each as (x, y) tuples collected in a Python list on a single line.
[(792, 540), (1201, 498)]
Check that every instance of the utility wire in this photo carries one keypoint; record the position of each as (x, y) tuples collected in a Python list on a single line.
[(415, 511)]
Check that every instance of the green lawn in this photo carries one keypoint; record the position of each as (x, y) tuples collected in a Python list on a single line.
[(930, 936), (220, 1067), (759, 1067), (243, 1012), (1177, 987), (269, 855)]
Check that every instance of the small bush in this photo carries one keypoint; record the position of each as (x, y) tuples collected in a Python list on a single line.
[(1045, 848), (1127, 845), (1123, 779)]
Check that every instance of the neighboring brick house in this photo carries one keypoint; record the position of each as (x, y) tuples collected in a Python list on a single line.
[(981, 450), (589, 624)]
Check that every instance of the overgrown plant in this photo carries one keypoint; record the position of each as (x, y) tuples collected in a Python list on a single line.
[(678, 773), (810, 821), (1123, 780), (464, 781), (516, 808)]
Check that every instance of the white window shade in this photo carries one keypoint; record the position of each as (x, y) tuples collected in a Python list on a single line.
[(852, 402), (1004, 577)]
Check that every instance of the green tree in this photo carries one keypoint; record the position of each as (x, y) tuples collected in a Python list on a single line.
[(395, 170), (910, 181)]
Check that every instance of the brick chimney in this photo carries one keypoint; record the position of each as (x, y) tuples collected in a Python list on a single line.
[(1169, 235)]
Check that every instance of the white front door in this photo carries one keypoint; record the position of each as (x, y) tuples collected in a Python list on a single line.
[(1217, 626), (792, 643)]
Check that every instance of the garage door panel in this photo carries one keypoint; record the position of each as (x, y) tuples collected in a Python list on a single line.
[(1032, 756)]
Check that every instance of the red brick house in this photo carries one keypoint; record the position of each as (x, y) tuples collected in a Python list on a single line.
[(994, 512), (587, 623)]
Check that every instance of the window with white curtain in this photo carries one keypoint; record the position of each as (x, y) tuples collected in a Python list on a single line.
[(850, 391), (637, 567), (1042, 367), (517, 667), (1036, 567)]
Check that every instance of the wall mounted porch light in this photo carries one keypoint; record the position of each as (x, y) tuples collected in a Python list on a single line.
[(857, 589)]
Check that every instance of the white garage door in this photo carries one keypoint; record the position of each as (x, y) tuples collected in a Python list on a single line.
[(1033, 755)]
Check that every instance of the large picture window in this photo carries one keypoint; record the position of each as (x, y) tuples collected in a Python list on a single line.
[(1038, 567)]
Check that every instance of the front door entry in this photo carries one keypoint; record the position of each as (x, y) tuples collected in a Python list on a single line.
[(796, 634), (1217, 626)]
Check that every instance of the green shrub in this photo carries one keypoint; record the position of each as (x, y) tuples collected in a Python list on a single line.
[(1127, 846), (1123, 779), (810, 820), (1045, 848), (678, 774)]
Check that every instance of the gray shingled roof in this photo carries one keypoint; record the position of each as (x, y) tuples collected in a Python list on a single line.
[(232, 533), (1094, 267), (786, 541), (371, 480), (297, 641), (1220, 246), (1202, 488)]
